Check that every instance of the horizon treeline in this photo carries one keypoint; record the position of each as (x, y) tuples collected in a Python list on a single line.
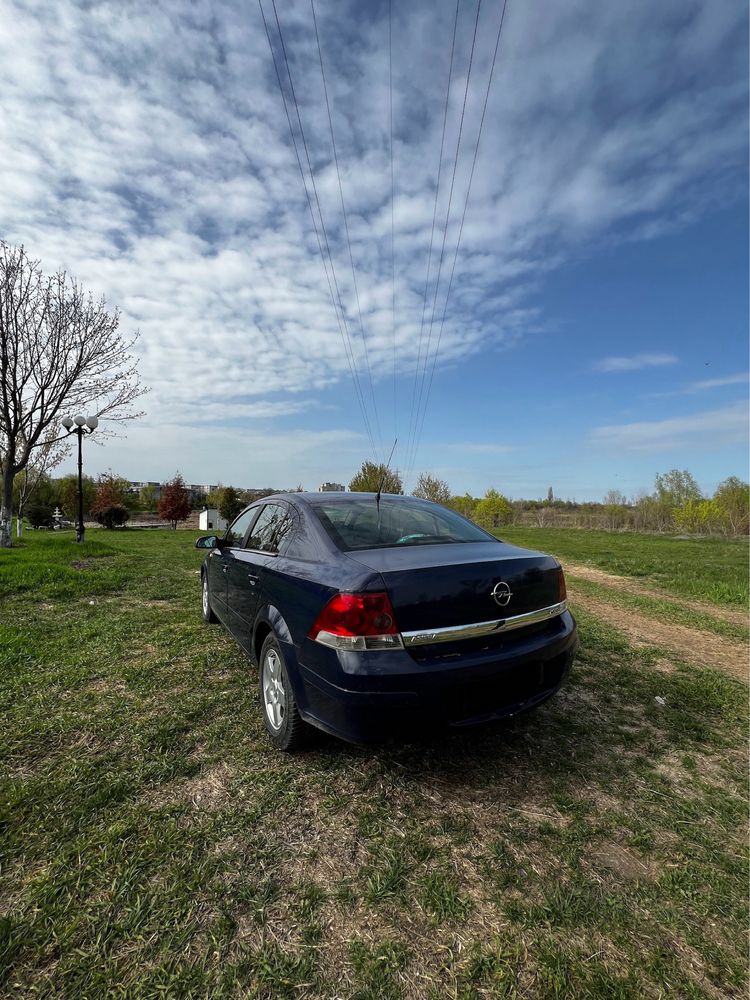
[(676, 504)]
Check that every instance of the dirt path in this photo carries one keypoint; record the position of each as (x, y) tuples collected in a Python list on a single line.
[(691, 645), (632, 586)]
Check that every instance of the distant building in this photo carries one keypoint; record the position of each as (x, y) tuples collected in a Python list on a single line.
[(135, 487), (331, 488), (211, 520)]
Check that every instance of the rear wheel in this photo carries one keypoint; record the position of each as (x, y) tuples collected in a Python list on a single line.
[(207, 613), (283, 723)]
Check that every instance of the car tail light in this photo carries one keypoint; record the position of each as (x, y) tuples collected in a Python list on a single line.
[(357, 621), (562, 590)]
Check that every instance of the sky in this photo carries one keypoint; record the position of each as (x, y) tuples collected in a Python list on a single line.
[(595, 328)]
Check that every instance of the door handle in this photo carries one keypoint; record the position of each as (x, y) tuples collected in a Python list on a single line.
[(252, 578), (223, 569)]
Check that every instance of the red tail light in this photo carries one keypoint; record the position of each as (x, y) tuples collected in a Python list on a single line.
[(357, 621), (562, 589)]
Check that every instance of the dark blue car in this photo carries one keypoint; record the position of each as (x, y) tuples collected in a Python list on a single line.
[(372, 617)]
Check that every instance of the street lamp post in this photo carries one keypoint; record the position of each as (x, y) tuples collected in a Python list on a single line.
[(79, 426)]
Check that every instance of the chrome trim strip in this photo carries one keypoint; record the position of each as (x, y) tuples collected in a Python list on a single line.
[(455, 632)]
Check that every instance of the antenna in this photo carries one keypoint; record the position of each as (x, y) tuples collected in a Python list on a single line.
[(382, 480)]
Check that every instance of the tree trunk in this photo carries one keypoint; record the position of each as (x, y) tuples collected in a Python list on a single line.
[(6, 510)]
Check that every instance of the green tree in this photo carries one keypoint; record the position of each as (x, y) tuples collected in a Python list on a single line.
[(213, 499), (109, 507), (699, 517), (465, 505), (732, 501), (230, 504), (174, 503), (493, 510), (39, 515), (615, 509), (27, 487), (147, 498), (374, 476), (431, 488), (67, 493), (676, 487)]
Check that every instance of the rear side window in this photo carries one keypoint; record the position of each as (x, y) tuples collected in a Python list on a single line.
[(271, 529), (357, 524)]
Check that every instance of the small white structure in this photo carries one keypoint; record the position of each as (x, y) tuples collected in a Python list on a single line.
[(210, 519)]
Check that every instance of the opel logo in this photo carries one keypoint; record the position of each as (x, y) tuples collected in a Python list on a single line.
[(502, 593)]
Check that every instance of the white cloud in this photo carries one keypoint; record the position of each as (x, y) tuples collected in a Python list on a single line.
[(634, 363), (741, 378), (151, 156), (712, 428)]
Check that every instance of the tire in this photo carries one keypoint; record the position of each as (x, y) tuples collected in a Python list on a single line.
[(206, 610), (284, 725)]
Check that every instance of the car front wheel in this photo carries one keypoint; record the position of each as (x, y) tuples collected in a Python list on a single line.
[(284, 724), (207, 612)]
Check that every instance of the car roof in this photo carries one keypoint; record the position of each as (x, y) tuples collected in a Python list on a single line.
[(315, 499), (351, 497)]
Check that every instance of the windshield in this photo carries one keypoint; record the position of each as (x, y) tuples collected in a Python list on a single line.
[(355, 524)]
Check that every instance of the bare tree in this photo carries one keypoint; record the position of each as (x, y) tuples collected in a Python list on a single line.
[(58, 347), (48, 454)]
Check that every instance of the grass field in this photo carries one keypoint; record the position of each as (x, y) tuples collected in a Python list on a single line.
[(153, 845), (714, 569)]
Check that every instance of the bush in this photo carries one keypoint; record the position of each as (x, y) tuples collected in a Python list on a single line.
[(113, 516), (39, 515), (493, 510)]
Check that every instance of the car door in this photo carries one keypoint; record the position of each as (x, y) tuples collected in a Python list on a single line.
[(223, 561), (247, 567)]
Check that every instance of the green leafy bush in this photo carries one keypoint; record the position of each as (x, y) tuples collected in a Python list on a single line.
[(113, 516), (39, 515)]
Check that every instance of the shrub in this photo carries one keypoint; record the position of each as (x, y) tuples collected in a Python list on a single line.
[(39, 515), (493, 510), (113, 516)]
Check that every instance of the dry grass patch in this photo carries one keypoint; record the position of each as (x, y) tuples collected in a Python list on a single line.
[(208, 791), (702, 649), (631, 586), (623, 861)]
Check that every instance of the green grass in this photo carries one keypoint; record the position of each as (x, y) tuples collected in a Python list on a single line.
[(662, 610), (712, 569), (153, 845)]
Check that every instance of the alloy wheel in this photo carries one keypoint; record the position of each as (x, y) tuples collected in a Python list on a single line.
[(274, 695)]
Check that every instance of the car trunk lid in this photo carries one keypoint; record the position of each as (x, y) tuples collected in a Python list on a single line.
[(438, 586)]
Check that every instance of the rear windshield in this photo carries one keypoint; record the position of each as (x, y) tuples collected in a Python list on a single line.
[(356, 524)]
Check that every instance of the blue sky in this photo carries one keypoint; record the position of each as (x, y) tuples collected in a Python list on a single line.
[(596, 330)]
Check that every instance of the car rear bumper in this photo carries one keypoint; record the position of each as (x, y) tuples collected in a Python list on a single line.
[(370, 698)]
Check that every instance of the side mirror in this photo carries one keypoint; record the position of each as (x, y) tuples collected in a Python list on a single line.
[(207, 542)]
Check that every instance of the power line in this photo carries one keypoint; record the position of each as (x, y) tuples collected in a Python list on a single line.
[(393, 220), (345, 339), (463, 215), (325, 241), (447, 214), (322, 222), (432, 236), (343, 211)]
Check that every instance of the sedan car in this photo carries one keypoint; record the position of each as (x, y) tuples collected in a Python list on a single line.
[(373, 616)]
